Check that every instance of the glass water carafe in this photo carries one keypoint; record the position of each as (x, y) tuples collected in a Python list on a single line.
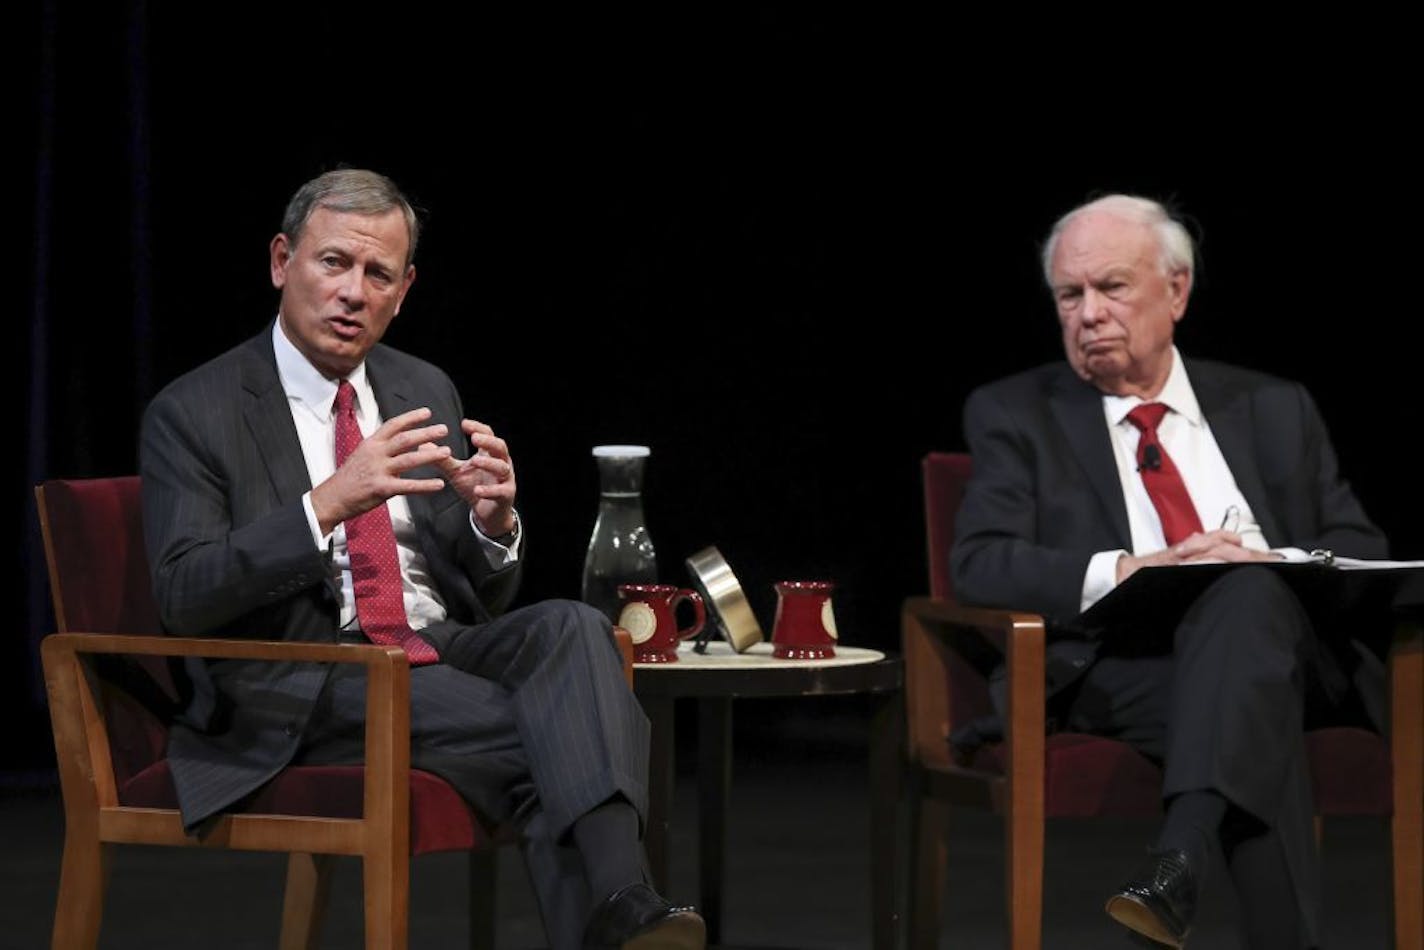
[(620, 550)]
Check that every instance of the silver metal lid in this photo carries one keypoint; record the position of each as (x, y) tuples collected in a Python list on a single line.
[(724, 598)]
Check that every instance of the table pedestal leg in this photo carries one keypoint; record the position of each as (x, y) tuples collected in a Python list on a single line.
[(887, 728), (662, 772), (714, 776)]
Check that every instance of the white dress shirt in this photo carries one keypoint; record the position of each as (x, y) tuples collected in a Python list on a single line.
[(1186, 437), (312, 400)]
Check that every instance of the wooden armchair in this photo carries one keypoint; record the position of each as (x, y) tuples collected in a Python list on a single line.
[(1031, 775), (111, 690)]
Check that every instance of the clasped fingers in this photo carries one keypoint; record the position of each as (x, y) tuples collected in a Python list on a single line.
[(480, 476), (492, 468), (1203, 544), (483, 439)]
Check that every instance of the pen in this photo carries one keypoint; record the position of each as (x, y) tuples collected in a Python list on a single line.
[(1232, 519)]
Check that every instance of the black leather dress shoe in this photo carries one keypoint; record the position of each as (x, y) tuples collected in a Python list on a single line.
[(637, 918), (1159, 902)]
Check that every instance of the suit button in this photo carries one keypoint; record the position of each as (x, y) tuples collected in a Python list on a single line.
[(290, 729)]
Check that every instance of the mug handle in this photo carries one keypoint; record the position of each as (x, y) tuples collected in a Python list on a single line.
[(699, 611)]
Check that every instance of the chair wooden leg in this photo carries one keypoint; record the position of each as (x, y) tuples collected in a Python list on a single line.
[(928, 854), (82, 878), (387, 884), (304, 907), (1023, 843), (1407, 753), (484, 880), (1407, 832)]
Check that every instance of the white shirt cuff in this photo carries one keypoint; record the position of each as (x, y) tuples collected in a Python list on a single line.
[(1100, 577), (323, 542), (499, 555)]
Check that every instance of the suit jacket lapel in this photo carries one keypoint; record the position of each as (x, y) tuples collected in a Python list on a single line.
[(269, 419), (1079, 411), (395, 393), (1228, 412)]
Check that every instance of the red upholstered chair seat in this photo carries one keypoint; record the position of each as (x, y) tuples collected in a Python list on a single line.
[(1086, 776), (440, 820), (1350, 772)]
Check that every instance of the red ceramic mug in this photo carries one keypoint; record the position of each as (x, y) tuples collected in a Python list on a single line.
[(805, 627), (649, 614)]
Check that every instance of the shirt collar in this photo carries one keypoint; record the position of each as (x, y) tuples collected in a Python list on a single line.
[(303, 382), (1177, 395)]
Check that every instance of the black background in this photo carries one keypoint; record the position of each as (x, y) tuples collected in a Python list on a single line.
[(779, 247)]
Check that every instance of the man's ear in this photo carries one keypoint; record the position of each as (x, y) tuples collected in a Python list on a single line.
[(405, 286), (281, 253), (1179, 289)]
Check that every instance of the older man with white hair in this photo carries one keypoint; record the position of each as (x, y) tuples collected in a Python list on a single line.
[(1132, 455)]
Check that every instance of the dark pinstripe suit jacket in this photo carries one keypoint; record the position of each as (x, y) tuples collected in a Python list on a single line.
[(232, 554)]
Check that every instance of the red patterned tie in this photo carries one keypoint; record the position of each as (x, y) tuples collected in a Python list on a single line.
[(1160, 476), (375, 565)]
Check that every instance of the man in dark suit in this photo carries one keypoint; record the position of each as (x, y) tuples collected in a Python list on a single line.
[(316, 485), (1131, 456)]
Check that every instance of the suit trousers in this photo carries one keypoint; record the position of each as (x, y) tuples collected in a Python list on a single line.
[(1224, 711), (530, 718)]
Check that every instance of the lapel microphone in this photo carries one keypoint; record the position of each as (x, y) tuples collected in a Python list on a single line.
[(1151, 458)]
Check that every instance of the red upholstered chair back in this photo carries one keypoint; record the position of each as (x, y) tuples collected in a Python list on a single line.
[(98, 571), (94, 538), (945, 475)]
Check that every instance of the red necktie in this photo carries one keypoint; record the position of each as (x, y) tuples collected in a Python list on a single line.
[(1160, 476), (375, 565)]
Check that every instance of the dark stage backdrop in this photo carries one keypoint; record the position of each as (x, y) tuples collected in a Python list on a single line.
[(778, 249)]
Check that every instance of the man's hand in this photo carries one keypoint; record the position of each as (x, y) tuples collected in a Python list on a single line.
[(1203, 546), (485, 480), (371, 473)]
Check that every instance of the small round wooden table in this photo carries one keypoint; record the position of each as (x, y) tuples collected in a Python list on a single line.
[(713, 680)]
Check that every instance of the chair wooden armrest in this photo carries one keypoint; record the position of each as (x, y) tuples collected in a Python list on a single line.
[(929, 629), (933, 629), (381, 836), (624, 639), (82, 743)]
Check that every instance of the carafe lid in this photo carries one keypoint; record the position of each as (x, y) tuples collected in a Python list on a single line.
[(621, 451)]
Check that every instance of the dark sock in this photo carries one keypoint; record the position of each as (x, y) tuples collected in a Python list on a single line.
[(1270, 914), (1193, 821), (607, 839)]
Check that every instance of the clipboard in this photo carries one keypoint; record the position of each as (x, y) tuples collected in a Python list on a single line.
[(1328, 587)]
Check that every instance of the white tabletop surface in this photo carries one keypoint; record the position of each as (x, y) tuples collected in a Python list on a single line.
[(720, 656)]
